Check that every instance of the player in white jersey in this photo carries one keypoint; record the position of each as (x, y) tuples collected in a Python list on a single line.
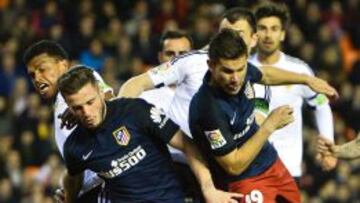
[(46, 61), (272, 20), (187, 71), (172, 44)]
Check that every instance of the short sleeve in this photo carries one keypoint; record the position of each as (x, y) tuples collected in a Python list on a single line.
[(155, 122), (214, 126), (262, 98), (165, 74), (254, 73), (73, 164)]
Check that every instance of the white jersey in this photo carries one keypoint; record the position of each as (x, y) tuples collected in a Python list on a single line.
[(288, 140), (91, 179), (186, 72), (160, 97)]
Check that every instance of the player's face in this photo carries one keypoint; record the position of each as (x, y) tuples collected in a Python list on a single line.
[(229, 74), (173, 48), (270, 34), (244, 29), (44, 72), (88, 105)]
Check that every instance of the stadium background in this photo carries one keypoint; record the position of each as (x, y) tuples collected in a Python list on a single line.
[(120, 39)]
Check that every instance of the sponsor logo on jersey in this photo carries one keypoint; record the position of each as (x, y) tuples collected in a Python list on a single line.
[(249, 121), (249, 91), (215, 138), (125, 163), (122, 136), (161, 69), (158, 116)]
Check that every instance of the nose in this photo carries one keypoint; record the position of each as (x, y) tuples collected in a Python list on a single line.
[(86, 110), (234, 77)]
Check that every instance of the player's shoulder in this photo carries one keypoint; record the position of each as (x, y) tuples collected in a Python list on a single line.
[(301, 65), (192, 56), (203, 100), (74, 140), (128, 105)]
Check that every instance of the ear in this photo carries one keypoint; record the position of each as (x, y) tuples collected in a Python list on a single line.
[(254, 39), (211, 65), (283, 35), (65, 65), (160, 56)]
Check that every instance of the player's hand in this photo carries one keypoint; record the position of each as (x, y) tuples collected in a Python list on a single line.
[(327, 163), (327, 148), (279, 118), (321, 86), (218, 196), (68, 120), (59, 195)]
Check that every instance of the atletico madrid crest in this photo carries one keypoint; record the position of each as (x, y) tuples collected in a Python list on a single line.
[(122, 136)]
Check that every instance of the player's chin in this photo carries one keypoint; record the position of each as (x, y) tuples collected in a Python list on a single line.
[(233, 90)]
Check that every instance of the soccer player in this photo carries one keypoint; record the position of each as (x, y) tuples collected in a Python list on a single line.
[(172, 44), (272, 21), (222, 123), (124, 142), (46, 61), (350, 150)]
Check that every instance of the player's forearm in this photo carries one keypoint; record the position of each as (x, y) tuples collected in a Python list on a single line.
[(349, 150), (135, 86), (199, 167), (276, 76), (249, 150), (72, 187)]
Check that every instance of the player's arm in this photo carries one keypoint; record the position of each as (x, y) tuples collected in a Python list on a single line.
[(276, 76), (239, 159), (262, 101), (135, 86), (165, 74), (73, 178), (350, 150), (156, 124), (200, 169), (72, 186)]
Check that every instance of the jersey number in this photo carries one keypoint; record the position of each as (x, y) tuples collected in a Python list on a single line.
[(255, 196)]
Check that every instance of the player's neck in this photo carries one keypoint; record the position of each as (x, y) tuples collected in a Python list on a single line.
[(269, 59)]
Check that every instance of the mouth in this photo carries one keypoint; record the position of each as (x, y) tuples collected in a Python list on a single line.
[(42, 88)]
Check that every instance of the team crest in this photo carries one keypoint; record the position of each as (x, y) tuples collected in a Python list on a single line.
[(215, 138), (249, 91), (122, 136)]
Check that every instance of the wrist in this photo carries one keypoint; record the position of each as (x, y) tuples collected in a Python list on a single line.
[(207, 186), (306, 79), (268, 127)]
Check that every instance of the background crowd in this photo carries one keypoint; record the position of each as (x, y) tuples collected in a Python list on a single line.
[(120, 39)]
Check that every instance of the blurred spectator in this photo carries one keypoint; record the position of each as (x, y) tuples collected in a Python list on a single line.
[(43, 19), (94, 56)]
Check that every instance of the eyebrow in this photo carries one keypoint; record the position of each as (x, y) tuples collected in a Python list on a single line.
[(229, 69)]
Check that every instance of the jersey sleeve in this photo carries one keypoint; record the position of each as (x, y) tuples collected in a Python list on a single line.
[(254, 73), (166, 74), (73, 163), (155, 122), (214, 126), (262, 98), (312, 98), (102, 84)]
